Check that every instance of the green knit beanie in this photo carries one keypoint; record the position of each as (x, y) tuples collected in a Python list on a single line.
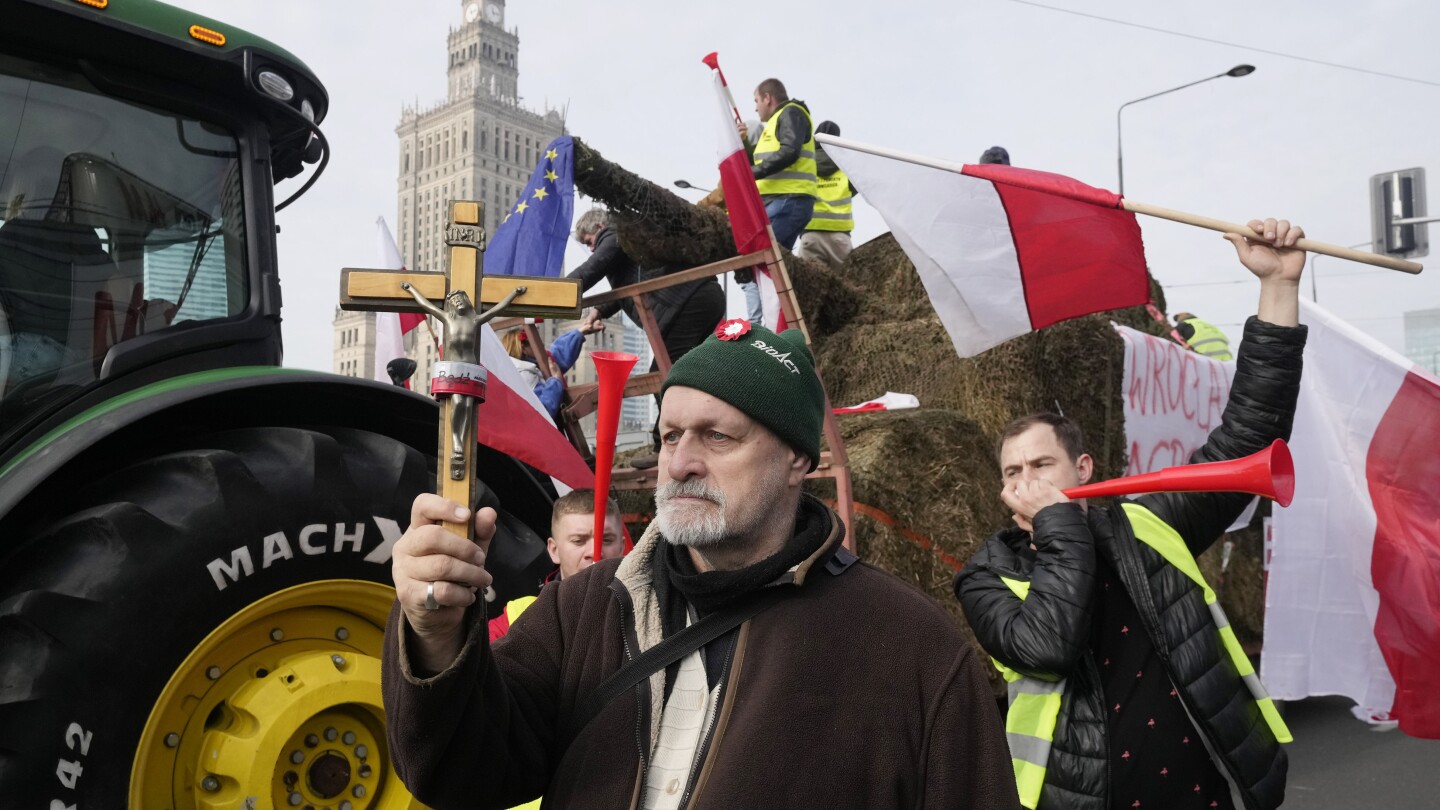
[(770, 377)]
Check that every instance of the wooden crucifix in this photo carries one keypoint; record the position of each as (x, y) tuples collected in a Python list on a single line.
[(463, 299)]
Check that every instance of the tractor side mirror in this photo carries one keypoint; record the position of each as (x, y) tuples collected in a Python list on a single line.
[(1396, 200)]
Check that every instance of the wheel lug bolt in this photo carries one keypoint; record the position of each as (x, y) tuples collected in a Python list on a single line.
[(295, 799), (365, 771), (358, 792), (361, 751), (311, 741), (331, 734), (210, 784), (348, 738), (277, 634), (341, 633), (297, 756), (345, 805), (213, 673), (338, 661), (172, 739)]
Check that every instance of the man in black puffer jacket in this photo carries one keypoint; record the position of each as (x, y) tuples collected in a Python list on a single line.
[(1125, 692)]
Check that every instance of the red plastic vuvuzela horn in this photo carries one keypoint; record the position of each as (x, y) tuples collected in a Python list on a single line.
[(1269, 473), (612, 368)]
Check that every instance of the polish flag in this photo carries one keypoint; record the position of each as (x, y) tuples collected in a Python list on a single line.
[(889, 401), (1353, 601), (391, 327), (1001, 251), (748, 220), (512, 421)]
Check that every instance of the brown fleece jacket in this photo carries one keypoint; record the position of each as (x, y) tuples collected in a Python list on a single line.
[(855, 691)]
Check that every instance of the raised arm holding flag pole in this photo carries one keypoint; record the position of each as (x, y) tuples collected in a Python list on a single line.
[(1003, 250)]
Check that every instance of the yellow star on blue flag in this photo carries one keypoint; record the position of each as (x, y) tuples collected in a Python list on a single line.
[(531, 240)]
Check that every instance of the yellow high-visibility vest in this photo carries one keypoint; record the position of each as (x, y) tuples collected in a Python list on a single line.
[(1030, 722), (1209, 340), (1035, 704), (798, 177), (833, 208)]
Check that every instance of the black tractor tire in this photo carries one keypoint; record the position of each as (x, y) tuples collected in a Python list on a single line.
[(113, 590)]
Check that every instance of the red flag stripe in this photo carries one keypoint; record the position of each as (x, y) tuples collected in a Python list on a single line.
[(1402, 466), (510, 425), (410, 320), (1075, 257)]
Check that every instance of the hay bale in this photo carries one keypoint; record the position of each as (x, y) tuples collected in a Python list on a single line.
[(874, 330)]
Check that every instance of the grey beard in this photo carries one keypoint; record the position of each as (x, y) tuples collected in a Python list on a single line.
[(683, 525)]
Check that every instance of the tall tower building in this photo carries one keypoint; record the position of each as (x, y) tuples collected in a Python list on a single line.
[(477, 144)]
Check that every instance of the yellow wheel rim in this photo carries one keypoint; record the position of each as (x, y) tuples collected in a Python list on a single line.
[(277, 707)]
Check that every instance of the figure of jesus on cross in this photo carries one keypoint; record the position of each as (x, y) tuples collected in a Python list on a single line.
[(463, 299)]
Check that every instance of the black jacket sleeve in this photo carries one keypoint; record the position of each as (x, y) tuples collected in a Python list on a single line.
[(608, 261), (793, 131), (1044, 635), (1261, 409), (481, 733), (824, 164)]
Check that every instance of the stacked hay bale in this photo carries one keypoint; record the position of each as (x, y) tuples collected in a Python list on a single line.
[(926, 479)]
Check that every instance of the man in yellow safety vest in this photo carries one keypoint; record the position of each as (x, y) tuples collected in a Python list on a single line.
[(827, 236), (783, 164), (1203, 337), (1128, 688)]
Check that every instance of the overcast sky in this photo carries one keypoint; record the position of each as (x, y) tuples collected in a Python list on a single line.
[(1295, 139)]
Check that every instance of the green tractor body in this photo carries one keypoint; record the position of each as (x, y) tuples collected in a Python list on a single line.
[(194, 542)]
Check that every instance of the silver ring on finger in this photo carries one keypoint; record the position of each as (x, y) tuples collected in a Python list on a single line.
[(430, 602)]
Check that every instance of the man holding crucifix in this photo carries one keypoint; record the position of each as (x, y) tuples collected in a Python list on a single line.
[(738, 656)]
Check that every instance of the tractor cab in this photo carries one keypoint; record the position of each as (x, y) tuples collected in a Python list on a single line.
[(136, 216)]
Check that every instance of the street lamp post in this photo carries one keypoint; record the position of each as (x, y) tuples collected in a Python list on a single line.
[(686, 184), (1237, 71)]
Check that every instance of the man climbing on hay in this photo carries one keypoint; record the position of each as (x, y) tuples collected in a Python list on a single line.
[(792, 676), (1127, 688), (1202, 336)]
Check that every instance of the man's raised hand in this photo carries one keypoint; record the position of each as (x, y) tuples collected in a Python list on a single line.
[(1275, 258), (430, 561)]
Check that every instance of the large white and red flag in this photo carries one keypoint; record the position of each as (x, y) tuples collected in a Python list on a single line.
[(512, 420), (1001, 250), (390, 327), (1353, 601), (748, 220)]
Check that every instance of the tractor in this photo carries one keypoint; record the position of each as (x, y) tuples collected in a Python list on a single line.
[(194, 540)]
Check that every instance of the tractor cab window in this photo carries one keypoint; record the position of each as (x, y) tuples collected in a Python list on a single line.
[(117, 221)]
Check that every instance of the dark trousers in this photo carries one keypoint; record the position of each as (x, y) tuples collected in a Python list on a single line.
[(691, 324)]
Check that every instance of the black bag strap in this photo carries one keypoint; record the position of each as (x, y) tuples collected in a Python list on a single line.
[(673, 649)]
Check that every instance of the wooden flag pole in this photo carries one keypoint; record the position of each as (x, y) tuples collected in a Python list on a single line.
[(1309, 245)]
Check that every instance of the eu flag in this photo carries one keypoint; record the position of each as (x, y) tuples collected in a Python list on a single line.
[(531, 238)]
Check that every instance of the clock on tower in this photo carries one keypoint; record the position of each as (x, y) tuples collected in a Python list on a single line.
[(472, 12), (492, 13)]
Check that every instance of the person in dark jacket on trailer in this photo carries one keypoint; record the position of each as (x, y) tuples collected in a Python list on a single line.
[(685, 313), (1127, 686)]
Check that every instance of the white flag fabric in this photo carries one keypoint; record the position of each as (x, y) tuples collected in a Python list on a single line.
[(1353, 599), (389, 338), (1173, 398)]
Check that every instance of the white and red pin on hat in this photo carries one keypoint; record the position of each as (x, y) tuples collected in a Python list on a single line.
[(733, 329)]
